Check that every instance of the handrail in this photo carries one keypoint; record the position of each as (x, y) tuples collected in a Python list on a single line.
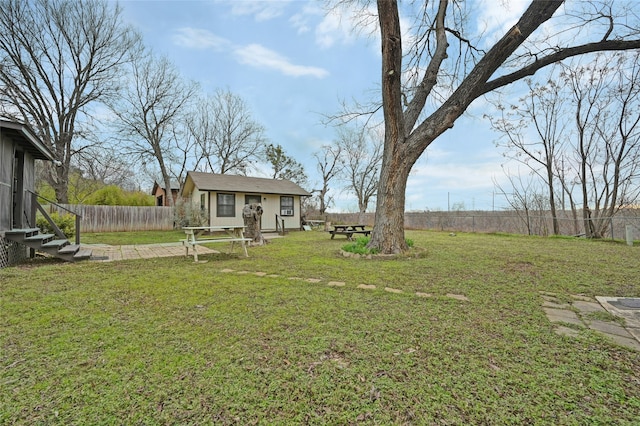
[(54, 226), (280, 224)]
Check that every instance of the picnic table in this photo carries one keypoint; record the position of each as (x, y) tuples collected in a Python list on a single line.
[(349, 230), (214, 234), (313, 223)]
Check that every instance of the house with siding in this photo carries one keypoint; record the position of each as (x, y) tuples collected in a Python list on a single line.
[(223, 197)]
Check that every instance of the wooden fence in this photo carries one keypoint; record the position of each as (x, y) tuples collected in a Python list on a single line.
[(501, 221), (132, 218), (120, 218)]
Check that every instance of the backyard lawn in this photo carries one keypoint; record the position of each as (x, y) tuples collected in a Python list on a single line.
[(277, 338)]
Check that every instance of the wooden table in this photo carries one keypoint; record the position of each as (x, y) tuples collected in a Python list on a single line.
[(349, 230), (216, 234)]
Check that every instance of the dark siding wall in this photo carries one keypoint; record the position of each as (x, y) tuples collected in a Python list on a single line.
[(6, 166), (29, 176)]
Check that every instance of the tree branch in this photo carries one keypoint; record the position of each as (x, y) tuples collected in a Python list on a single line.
[(601, 46)]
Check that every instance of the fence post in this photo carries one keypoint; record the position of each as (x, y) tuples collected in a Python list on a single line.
[(629, 234), (77, 229)]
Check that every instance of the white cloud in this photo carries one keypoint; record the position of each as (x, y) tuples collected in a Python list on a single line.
[(195, 38), (302, 21), (261, 10), (253, 55), (259, 56), (343, 24)]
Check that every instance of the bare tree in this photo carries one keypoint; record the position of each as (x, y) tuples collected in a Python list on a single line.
[(229, 139), (151, 110), (57, 59), (533, 132), (606, 100), (362, 151), (409, 129), (330, 165), (285, 167), (527, 200)]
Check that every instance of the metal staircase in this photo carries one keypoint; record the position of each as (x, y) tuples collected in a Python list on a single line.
[(46, 243)]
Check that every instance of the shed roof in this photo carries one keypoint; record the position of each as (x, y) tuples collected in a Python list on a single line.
[(234, 183), (25, 137)]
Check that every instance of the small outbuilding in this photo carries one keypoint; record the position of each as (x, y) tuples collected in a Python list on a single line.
[(222, 198), (159, 192), (19, 148)]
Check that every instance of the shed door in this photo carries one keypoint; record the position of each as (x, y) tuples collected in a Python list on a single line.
[(18, 190), (253, 198)]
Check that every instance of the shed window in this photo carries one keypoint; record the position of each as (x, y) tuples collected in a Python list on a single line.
[(226, 205), (286, 206)]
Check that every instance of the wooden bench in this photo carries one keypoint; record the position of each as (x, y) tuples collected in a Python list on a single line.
[(349, 231)]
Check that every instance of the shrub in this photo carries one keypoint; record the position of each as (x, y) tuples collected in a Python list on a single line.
[(188, 214), (66, 223), (360, 246)]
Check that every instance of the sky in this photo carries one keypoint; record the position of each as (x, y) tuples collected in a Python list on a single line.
[(293, 63)]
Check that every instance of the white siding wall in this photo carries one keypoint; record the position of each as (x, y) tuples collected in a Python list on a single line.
[(270, 206)]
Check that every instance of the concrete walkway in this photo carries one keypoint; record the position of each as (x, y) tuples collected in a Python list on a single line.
[(614, 317), (107, 253)]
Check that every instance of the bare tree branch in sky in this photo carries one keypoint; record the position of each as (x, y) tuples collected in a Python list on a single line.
[(57, 59), (412, 123)]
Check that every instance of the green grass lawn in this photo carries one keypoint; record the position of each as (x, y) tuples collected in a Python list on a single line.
[(169, 341)]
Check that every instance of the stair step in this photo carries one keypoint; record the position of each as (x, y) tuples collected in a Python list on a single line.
[(44, 238), (21, 231), (69, 249), (82, 254), (56, 243)]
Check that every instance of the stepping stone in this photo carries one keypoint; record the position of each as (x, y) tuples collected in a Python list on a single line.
[(563, 315), (458, 297), (367, 287), (610, 328), (336, 284), (585, 307), (552, 299), (273, 276), (419, 294), (623, 341), (548, 304), (547, 293), (242, 272), (566, 331), (392, 290), (312, 280), (260, 274), (295, 278), (581, 297)]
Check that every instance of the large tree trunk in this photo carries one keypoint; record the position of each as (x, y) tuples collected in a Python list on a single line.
[(404, 141), (388, 231)]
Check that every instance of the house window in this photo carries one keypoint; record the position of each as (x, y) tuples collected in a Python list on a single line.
[(203, 202), (286, 206), (250, 199), (226, 206)]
